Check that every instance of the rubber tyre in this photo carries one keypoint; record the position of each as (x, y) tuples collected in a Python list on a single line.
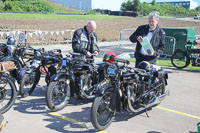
[(37, 79), (94, 113), (13, 94), (51, 91), (183, 55)]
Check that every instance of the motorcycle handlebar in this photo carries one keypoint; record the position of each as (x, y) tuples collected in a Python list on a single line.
[(122, 60)]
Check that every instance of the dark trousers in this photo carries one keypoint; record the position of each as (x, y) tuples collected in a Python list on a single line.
[(140, 58)]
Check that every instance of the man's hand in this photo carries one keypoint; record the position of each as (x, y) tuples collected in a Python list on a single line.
[(150, 53), (88, 54), (95, 53), (140, 39)]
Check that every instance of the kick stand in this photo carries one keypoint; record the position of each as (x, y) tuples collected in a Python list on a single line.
[(146, 113)]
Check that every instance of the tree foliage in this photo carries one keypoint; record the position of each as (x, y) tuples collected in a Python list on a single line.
[(164, 9), (127, 6), (136, 5)]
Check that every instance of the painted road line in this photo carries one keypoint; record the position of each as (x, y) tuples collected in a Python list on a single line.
[(82, 124), (181, 113)]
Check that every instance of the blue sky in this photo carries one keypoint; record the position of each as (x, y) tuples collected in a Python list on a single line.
[(193, 2)]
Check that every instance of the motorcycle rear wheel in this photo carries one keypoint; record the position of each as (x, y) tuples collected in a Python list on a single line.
[(58, 95), (100, 107), (180, 59)]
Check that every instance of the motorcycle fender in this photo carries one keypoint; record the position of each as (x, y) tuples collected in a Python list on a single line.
[(117, 100), (58, 76), (101, 91)]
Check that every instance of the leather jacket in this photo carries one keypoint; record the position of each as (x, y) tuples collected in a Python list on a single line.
[(157, 41), (83, 42)]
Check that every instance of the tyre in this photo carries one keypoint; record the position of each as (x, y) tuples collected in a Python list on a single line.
[(8, 93), (162, 88), (180, 59), (102, 112), (58, 94), (29, 82)]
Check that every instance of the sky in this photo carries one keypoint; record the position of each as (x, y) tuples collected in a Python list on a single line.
[(194, 3)]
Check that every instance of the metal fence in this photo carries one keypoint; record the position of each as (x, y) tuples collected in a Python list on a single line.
[(124, 35)]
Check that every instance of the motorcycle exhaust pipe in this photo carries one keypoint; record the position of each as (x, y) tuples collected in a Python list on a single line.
[(85, 95), (156, 101)]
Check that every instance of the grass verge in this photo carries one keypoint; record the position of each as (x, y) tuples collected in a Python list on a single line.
[(55, 16)]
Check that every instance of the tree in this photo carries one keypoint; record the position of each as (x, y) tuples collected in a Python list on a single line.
[(127, 6), (136, 5), (198, 8), (154, 2)]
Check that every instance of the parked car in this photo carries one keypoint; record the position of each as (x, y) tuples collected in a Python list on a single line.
[(196, 16)]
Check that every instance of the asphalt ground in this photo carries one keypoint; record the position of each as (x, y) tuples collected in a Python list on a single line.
[(178, 113)]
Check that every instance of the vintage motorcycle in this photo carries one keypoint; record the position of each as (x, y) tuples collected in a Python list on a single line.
[(78, 76), (31, 75), (132, 89)]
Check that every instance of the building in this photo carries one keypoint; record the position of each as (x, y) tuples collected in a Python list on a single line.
[(185, 4), (85, 5)]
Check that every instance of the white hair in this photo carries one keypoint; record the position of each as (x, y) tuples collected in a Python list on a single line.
[(154, 14)]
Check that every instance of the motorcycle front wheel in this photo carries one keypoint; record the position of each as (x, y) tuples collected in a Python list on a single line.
[(180, 59), (8, 93), (102, 112), (58, 94), (29, 82)]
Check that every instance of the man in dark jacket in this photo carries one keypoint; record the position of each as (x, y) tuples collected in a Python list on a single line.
[(156, 36), (85, 40)]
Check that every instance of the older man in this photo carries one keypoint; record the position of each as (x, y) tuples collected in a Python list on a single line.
[(156, 36), (85, 40)]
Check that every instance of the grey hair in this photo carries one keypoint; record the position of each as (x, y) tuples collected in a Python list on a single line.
[(154, 14)]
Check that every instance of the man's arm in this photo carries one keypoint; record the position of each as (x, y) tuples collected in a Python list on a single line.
[(95, 46), (76, 43), (135, 35), (162, 43)]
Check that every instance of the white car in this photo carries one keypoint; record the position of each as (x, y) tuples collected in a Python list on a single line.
[(196, 16)]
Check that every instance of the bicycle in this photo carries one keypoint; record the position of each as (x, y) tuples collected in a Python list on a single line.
[(182, 58)]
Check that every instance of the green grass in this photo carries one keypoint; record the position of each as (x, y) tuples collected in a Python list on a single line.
[(60, 17), (168, 64)]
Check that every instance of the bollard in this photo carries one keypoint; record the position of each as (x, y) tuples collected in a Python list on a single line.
[(198, 127)]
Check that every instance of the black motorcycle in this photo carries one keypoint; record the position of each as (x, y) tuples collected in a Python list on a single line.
[(43, 60), (78, 76), (131, 89)]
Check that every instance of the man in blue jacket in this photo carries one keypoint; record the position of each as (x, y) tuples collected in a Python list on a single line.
[(156, 36)]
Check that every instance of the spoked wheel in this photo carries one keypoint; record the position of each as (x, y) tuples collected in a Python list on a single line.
[(58, 94), (180, 59), (102, 112), (8, 94), (29, 82), (161, 89)]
